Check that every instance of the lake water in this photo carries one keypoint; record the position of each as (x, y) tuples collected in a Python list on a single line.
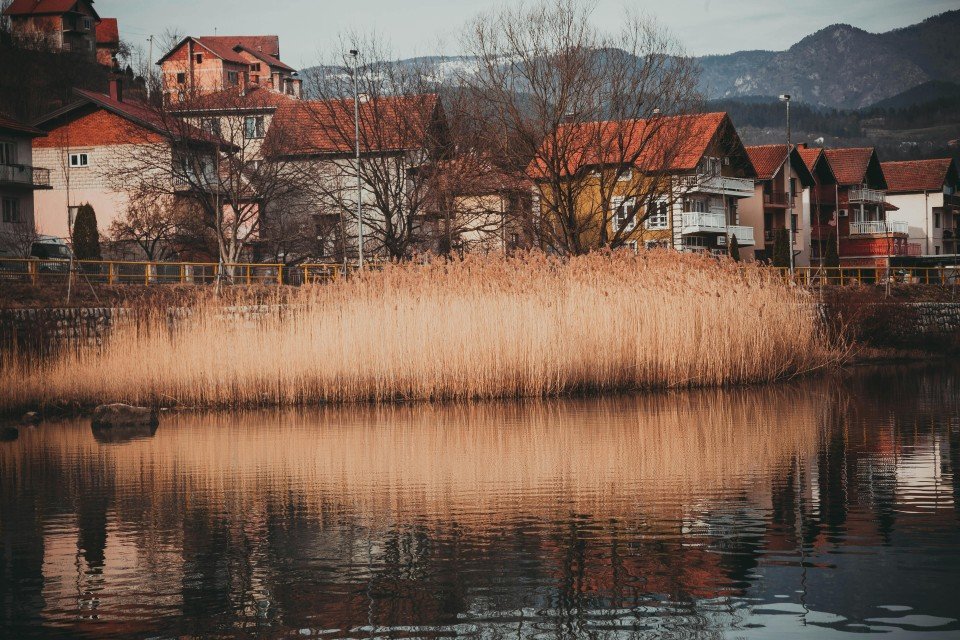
[(821, 508)]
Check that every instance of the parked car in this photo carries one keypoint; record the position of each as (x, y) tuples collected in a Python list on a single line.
[(54, 253)]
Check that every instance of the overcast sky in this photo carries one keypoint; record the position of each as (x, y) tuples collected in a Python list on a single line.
[(424, 27)]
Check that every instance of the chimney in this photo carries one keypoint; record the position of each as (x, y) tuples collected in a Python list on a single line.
[(116, 88)]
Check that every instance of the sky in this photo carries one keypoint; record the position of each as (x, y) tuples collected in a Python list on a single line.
[(308, 29)]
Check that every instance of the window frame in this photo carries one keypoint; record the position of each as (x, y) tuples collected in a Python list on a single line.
[(616, 203), (9, 157), (662, 211), (10, 211), (233, 78), (258, 130), (82, 160)]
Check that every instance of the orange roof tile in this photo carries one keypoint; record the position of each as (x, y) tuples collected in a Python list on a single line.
[(672, 143), (108, 32), (850, 165), (917, 175), (8, 123), (265, 48), (767, 159), (390, 123), (41, 7)]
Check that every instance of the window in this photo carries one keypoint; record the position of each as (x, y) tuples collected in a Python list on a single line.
[(697, 206), (658, 215), (79, 160), (253, 127), (211, 126), (181, 78), (623, 214), (632, 245), (255, 67), (233, 78), (936, 250), (199, 58), (87, 24), (625, 176), (936, 218), (793, 186), (8, 153), (11, 210)]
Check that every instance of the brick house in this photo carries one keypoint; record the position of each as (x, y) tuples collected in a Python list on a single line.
[(779, 200), (19, 180), (209, 64), (866, 236), (84, 145), (60, 25), (925, 193)]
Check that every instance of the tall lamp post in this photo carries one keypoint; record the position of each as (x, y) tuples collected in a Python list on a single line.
[(786, 170), (356, 118)]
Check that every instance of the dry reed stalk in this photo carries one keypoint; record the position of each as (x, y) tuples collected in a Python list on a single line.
[(473, 329)]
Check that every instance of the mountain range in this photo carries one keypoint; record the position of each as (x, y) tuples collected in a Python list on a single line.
[(842, 66)]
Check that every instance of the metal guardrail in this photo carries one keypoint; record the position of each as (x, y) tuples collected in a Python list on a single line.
[(24, 174), (38, 272)]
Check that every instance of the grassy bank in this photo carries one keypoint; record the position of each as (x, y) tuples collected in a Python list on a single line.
[(480, 328)]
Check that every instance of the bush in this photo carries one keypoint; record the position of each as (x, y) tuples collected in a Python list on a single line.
[(86, 237), (734, 248), (781, 248)]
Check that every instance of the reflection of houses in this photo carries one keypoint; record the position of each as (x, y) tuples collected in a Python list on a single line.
[(19, 179), (692, 171), (867, 237), (86, 144), (778, 201), (925, 193), (208, 64), (57, 25)]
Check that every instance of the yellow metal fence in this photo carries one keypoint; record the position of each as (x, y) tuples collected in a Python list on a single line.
[(38, 271)]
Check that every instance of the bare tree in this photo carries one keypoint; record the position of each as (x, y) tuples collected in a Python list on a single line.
[(584, 113), (403, 133), (150, 224)]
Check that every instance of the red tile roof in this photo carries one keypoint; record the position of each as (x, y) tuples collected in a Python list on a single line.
[(767, 159), (108, 32), (672, 143), (255, 98), (391, 123), (917, 175), (810, 156), (10, 124), (265, 48), (850, 165), (40, 7)]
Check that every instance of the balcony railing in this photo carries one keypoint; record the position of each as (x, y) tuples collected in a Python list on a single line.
[(25, 175), (867, 195), (777, 200), (715, 223), (878, 227), (724, 185)]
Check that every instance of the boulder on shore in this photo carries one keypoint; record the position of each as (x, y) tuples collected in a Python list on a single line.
[(109, 416)]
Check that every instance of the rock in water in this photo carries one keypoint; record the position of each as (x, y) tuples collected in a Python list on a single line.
[(108, 416)]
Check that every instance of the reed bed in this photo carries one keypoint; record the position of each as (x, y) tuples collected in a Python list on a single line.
[(479, 328)]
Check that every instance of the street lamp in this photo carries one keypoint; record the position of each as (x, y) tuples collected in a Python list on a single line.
[(356, 117), (785, 97)]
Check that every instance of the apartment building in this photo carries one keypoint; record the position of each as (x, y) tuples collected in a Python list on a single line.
[(692, 170), (210, 64), (820, 201), (108, 42), (19, 181), (779, 200), (59, 25), (925, 193), (867, 237)]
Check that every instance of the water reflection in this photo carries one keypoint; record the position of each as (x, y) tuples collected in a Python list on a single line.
[(827, 506)]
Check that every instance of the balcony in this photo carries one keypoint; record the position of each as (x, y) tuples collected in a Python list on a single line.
[(777, 200), (867, 195), (715, 223), (22, 175), (878, 227), (721, 185)]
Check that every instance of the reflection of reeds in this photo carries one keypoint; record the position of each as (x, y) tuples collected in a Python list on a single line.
[(480, 328), (607, 455)]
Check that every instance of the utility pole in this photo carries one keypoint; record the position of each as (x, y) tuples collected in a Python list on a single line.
[(356, 118), (786, 171), (150, 66)]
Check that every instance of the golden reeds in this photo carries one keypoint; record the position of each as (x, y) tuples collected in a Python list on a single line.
[(471, 329)]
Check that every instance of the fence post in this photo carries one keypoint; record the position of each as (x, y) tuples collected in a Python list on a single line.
[(279, 274), (32, 269), (182, 272)]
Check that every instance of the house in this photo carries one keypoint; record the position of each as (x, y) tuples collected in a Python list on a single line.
[(209, 64), (19, 180), (58, 25), (691, 170), (821, 203), (925, 193), (866, 236), (778, 201), (108, 42), (88, 146)]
